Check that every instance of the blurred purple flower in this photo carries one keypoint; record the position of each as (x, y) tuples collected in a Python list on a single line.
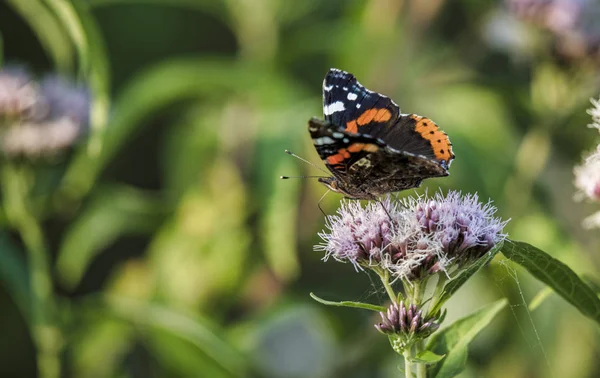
[(412, 238), (560, 16), (18, 94), (573, 23), (40, 119), (66, 100)]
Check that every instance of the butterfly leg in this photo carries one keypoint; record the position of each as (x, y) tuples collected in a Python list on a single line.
[(321, 200)]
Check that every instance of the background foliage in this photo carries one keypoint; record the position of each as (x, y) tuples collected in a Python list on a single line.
[(177, 251)]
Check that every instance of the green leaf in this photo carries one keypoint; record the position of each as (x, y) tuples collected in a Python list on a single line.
[(364, 306), (114, 211), (278, 219), (14, 275), (180, 357), (93, 61), (592, 282), (178, 80), (427, 357), (49, 31), (556, 275), (215, 8), (458, 281), (194, 330), (453, 340)]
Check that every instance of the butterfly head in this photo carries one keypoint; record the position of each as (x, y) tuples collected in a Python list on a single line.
[(348, 189), (331, 183)]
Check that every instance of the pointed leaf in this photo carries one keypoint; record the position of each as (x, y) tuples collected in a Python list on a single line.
[(193, 329), (14, 275), (457, 282), (454, 339), (178, 80), (427, 357), (364, 306), (113, 212), (556, 275)]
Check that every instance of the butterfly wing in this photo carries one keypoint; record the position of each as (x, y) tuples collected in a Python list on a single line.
[(352, 107), (357, 110)]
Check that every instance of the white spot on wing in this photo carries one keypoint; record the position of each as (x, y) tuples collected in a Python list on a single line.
[(327, 88), (352, 96), (337, 106), (345, 88), (357, 106), (323, 140)]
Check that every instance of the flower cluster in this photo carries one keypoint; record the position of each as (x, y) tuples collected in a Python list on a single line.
[(595, 113), (415, 237), (406, 319), (587, 175), (40, 119), (405, 324), (573, 23)]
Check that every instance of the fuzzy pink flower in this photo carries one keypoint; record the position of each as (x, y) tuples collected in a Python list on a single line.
[(412, 238)]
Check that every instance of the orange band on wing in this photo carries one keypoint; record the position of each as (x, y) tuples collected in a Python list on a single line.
[(442, 148), (345, 153), (357, 147), (352, 127), (377, 115)]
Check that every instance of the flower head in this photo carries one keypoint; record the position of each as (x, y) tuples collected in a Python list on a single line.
[(40, 119), (405, 324), (405, 319), (465, 227), (595, 113), (412, 238), (587, 176), (359, 235), (18, 94)]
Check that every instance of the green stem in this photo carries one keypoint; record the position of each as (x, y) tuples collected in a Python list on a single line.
[(421, 368), (46, 334), (384, 275), (407, 363)]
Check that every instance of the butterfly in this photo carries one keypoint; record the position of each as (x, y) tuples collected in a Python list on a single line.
[(369, 147)]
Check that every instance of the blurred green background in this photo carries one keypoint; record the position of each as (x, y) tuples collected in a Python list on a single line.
[(176, 251)]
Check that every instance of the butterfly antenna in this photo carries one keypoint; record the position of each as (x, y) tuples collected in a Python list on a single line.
[(321, 200), (306, 161), (300, 177)]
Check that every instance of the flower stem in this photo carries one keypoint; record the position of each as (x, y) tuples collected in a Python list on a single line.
[(407, 363), (46, 334), (385, 279), (421, 368)]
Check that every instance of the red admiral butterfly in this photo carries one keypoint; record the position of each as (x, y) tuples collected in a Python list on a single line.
[(369, 147)]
